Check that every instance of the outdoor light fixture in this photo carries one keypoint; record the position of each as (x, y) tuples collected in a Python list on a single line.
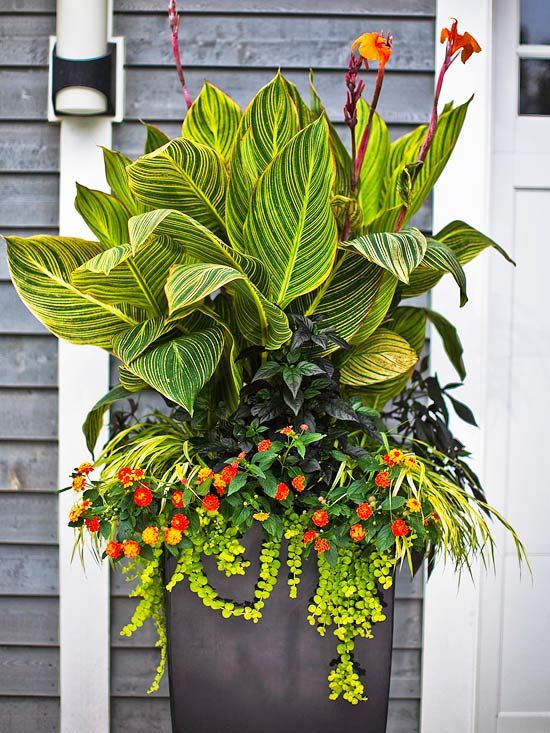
[(86, 65)]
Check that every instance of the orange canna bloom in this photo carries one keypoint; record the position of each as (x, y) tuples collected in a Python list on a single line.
[(373, 47), (458, 41)]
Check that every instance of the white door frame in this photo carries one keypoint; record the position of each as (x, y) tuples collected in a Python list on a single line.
[(451, 615)]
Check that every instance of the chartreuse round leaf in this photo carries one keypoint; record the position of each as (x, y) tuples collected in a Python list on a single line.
[(382, 356), (41, 269), (260, 321), (398, 252), (290, 226), (213, 120), (180, 368), (182, 175), (269, 122)]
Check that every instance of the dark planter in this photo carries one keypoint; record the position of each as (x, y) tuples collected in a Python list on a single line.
[(233, 676)]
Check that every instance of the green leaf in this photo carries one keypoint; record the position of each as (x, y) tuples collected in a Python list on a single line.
[(131, 344), (117, 178), (185, 176), (410, 324), (94, 421), (382, 356), (268, 124), (441, 257), (237, 483), (392, 502), (451, 341), (290, 224), (130, 382), (463, 411), (180, 368), (155, 138), (104, 214), (293, 379), (385, 538), (41, 269), (213, 120), (372, 177), (398, 252), (268, 484), (274, 527), (259, 321)]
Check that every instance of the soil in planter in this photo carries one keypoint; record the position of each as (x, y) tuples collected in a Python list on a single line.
[(234, 676)]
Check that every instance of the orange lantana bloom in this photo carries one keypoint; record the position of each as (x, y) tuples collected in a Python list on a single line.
[(458, 41), (373, 47)]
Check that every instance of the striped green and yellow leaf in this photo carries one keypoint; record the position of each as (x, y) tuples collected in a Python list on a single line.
[(372, 178), (105, 215), (383, 356), (132, 343), (117, 177), (291, 227), (155, 138), (41, 270), (213, 120), (93, 423), (398, 252), (182, 175)]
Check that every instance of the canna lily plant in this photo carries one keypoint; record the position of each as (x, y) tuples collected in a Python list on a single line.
[(257, 275)]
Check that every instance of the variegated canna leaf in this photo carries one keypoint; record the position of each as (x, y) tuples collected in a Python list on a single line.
[(94, 420), (384, 355), (182, 175), (155, 138), (104, 214), (213, 120), (398, 252), (260, 321), (372, 178), (41, 269), (117, 178), (132, 343), (291, 227), (180, 368)]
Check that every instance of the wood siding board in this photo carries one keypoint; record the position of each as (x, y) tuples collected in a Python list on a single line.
[(29, 200), (29, 361), (28, 518), (30, 715), (28, 414), (29, 466), (30, 147), (24, 39), (28, 571), (29, 671), (29, 621), (15, 317)]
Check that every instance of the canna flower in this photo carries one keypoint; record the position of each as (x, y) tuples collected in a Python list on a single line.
[(143, 496), (321, 545), (357, 532), (413, 505), (299, 483), (264, 445), (172, 536), (282, 491), (177, 499), (382, 479), (373, 47), (399, 528), (79, 483), (131, 548), (92, 524), (320, 518), (113, 549), (179, 521), (309, 536), (85, 468), (261, 516), (364, 511), (459, 41), (211, 503), (150, 536)]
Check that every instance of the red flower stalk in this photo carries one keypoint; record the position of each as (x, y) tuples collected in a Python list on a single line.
[(174, 20)]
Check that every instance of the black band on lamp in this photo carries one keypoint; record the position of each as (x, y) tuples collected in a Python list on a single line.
[(98, 73)]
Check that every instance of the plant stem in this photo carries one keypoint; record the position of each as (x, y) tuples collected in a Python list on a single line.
[(366, 133), (174, 19)]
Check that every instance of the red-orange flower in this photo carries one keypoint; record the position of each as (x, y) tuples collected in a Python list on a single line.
[(113, 549), (211, 503), (79, 483), (85, 467), (400, 528), (289, 430), (179, 521), (364, 511), (143, 496), (299, 483), (264, 445), (150, 535), (357, 532), (138, 473), (457, 41), (382, 479), (172, 536), (309, 536), (373, 47), (320, 518), (204, 474), (131, 548), (125, 475), (177, 499), (92, 524), (282, 491), (304, 427), (321, 545), (229, 472)]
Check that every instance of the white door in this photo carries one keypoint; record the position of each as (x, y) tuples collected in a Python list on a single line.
[(514, 633)]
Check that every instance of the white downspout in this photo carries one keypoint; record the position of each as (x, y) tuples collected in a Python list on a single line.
[(83, 28)]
